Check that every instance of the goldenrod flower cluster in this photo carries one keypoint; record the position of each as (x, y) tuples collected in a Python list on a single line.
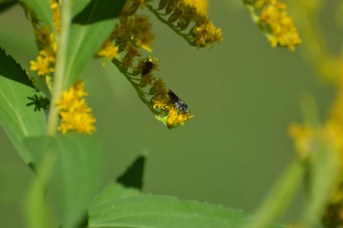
[(55, 7), (171, 116), (133, 30), (74, 112), (188, 18), (45, 61), (152, 90), (272, 17)]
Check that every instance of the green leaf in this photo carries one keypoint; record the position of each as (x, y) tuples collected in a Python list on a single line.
[(78, 5), (133, 176), (89, 30), (6, 4), (120, 207), (18, 120), (41, 9), (76, 171)]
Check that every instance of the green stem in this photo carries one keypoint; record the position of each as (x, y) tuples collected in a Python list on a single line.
[(62, 40), (279, 198), (170, 25)]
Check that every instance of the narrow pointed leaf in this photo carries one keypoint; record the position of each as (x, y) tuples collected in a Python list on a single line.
[(18, 120), (89, 29), (75, 174), (279, 198), (120, 207)]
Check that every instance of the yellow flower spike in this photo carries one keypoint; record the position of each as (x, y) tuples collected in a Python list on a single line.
[(182, 14), (74, 112), (272, 17), (205, 33), (56, 14), (45, 61)]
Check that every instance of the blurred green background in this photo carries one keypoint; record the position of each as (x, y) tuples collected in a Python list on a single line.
[(243, 93)]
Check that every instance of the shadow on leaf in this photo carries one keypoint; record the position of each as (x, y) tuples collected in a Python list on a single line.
[(10, 69), (7, 4), (99, 10), (133, 176)]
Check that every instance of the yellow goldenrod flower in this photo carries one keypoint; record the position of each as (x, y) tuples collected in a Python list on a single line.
[(44, 63), (272, 17), (169, 113), (108, 50), (159, 102), (175, 118), (74, 112), (205, 33)]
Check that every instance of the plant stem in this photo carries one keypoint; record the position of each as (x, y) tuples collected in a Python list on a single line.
[(140, 93), (62, 41)]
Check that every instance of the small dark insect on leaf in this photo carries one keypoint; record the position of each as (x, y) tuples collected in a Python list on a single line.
[(40, 102), (181, 106), (148, 65)]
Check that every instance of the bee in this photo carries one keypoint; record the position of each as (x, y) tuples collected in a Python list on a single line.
[(148, 66), (180, 105)]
